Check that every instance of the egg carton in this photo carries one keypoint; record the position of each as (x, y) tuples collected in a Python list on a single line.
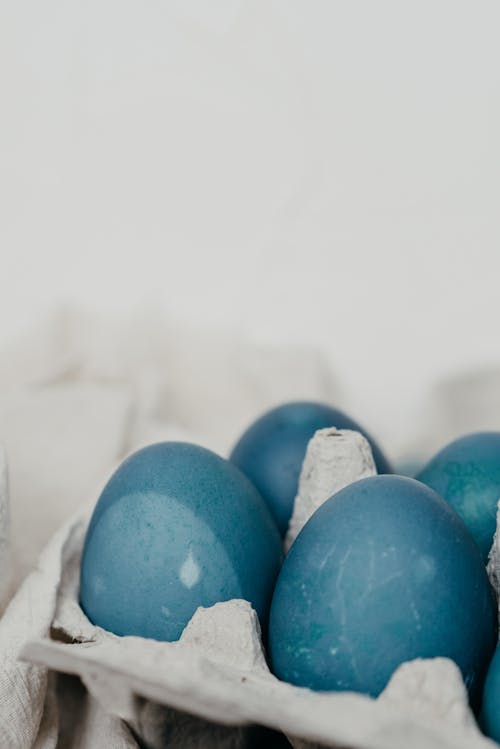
[(210, 687)]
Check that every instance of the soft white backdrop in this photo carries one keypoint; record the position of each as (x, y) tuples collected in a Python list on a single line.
[(323, 172)]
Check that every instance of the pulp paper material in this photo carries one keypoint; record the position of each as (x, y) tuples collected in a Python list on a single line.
[(493, 566), (75, 397), (217, 673), (334, 458), (431, 690)]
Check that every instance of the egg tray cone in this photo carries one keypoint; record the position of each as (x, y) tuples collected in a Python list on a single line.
[(217, 672)]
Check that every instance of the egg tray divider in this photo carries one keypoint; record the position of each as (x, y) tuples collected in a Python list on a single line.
[(217, 671)]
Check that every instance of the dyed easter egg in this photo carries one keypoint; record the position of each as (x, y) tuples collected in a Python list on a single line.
[(272, 450), (385, 571), (467, 474), (176, 527), (490, 714)]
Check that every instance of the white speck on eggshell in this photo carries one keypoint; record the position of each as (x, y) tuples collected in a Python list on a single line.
[(189, 573)]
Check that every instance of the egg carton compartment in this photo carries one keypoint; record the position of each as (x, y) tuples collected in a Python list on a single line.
[(210, 687)]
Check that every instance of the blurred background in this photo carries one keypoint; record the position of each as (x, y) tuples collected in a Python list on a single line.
[(217, 206)]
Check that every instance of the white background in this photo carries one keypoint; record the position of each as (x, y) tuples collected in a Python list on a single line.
[(321, 172)]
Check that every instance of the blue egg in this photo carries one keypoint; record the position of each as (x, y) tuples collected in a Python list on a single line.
[(385, 571), (490, 713), (176, 527), (272, 450), (467, 474)]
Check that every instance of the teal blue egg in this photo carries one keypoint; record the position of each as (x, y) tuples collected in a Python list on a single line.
[(176, 527), (385, 571), (490, 713), (271, 451), (467, 474)]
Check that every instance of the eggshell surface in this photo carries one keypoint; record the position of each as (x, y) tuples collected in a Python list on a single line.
[(384, 572), (271, 451), (176, 527), (490, 714), (467, 474)]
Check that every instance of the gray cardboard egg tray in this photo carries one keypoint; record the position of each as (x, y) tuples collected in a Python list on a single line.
[(215, 680)]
